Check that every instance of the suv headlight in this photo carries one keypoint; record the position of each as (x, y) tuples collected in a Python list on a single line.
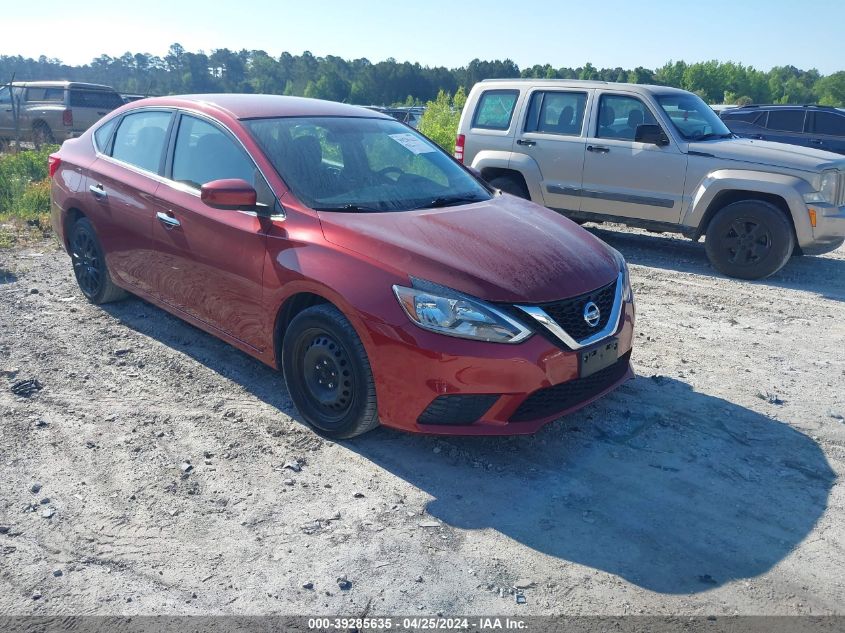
[(627, 290), (825, 185), (446, 311)]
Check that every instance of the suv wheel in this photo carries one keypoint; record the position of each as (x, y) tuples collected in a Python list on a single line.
[(511, 185), (749, 239), (328, 374)]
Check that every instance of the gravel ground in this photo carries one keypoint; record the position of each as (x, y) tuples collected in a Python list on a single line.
[(159, 471)]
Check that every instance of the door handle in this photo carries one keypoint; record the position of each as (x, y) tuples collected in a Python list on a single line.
[(520, 141), (98, 191), (168, 221), (599, 149)]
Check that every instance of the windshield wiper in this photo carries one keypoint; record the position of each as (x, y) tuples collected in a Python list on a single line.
[(711, 136), (349, 208), (448, 201)]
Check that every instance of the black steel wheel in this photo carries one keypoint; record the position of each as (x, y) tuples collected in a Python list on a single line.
[(328, 374), (750, 239), (89, 265)]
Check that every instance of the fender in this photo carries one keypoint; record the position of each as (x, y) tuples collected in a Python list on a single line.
[(512, 161), (790, 188)]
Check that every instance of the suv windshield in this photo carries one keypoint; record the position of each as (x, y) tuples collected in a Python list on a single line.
[(362, 164), (693, 118)]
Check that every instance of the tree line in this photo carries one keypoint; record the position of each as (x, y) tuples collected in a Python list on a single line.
[(391, 82)]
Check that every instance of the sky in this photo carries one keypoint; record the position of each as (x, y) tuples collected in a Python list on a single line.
[(566, 33)]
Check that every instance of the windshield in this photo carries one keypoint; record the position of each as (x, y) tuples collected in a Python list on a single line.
[(362, 165), (692, 117)]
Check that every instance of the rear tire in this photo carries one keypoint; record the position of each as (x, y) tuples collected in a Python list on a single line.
[(511, 185), (42, 134), (327, 373), (89, 265), (749, 239)]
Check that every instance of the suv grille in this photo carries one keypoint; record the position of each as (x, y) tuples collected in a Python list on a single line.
[(569, 313), (551, 400)]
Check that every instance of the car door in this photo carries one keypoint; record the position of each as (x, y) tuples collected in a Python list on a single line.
[(209, 262), (120, 190), (623, 177), (827, 131), (551, 133), (786, 125)]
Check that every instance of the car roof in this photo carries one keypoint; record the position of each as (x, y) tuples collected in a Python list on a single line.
[(260, 106), (589, 83), (781, 106), (61, 84)]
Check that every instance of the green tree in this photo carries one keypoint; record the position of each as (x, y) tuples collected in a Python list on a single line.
[(441, 117)]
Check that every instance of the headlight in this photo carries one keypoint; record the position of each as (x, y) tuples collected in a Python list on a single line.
[(825, 185), (449, 312), (627, 290)]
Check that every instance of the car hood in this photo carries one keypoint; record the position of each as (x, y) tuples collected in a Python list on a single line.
[(505, 249), (770, 153)]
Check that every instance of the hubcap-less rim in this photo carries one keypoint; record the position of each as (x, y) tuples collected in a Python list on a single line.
[(747, 241), (87, 265), (327, 376)]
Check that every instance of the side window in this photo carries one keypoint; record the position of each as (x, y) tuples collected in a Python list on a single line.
[(140, 139), (556, 112), (829, 123), (619, 117), (102, 99), (45, 94), (495, 109), (204, 153), (786, 120), (103, 135), (4, 95)]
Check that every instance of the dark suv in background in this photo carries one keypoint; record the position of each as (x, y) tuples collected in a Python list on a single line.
[(821, 127)]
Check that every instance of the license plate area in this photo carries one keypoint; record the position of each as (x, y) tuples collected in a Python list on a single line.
[(597, 358)]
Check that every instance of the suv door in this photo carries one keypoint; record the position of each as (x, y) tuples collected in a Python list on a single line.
[(120, 190), (89, 106), (623, 177), (786, 125), (551, 133), (827, 131), (209, 262)]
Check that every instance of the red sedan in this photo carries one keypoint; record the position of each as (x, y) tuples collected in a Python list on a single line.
[(389, 283)]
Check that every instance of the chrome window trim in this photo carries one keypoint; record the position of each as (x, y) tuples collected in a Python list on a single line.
[(541, 316)]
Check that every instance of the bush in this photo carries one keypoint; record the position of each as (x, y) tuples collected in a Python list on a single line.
[(441, 117), (24, 186)]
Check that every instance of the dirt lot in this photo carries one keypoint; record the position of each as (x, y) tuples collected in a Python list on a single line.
[(705, 486)]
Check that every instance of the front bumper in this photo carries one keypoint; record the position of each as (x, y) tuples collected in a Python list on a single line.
[(412, 367), (829, 232)]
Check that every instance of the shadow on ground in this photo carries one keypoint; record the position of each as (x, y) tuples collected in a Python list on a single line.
[(7, 276), (676, 491), (822, 275)]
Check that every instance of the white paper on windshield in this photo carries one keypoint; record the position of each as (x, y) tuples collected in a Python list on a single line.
[(412, 143)]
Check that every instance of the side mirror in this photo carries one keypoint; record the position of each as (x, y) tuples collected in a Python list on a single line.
[(231, 193), (652, 134)]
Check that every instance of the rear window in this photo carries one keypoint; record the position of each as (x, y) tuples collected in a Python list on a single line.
[(786, 120), (829, 123), (103, 99), (45, 94), (748, 115), (495, 109)]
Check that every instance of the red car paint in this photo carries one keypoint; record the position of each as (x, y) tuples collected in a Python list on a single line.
[(231, 273)]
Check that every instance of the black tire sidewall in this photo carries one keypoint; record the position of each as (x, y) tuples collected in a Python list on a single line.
[(510, 185), (363, 408), (83, 224), (780, 229)]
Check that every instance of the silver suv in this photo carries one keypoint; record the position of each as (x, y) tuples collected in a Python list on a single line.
[(657, 158), (53, 111)]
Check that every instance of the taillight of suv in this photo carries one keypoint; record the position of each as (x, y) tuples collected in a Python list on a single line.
[(67, 117), (459, 147)]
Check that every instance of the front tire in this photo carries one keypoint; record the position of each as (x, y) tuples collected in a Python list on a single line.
[(510, 185), (749, 239), (89, 265), (327, 373)]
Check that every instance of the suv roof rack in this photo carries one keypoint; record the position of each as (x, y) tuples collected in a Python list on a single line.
[(788, 105)]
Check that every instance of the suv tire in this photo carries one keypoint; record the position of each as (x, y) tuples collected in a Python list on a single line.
[(327, 373), (749, 239), (42, 134), (511, 185)]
